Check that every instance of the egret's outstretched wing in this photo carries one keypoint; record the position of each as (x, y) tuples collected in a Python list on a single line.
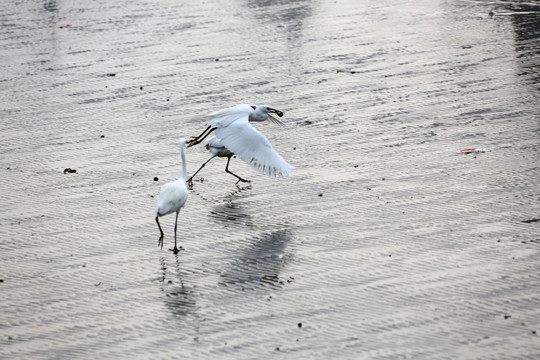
[(225, 117), (251, 146)]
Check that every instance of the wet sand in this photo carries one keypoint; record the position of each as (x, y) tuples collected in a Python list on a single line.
[(386, 243)]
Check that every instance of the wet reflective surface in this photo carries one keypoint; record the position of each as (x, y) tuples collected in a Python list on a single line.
[(387, 242)]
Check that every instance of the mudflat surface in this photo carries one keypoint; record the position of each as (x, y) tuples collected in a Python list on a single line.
[(386, 243)]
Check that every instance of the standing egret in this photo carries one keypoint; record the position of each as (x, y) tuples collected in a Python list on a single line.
[(172, 197), (215, 146), (236, 134)]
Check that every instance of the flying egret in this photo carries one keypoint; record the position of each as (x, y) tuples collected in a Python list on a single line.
[(215, 146), (172, 197), (232, 128), (262, 114)]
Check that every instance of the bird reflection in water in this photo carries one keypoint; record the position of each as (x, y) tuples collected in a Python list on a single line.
[(261, 263), (178, 298), (230, 211)]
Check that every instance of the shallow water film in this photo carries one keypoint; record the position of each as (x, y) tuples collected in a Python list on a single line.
[(387, 242)]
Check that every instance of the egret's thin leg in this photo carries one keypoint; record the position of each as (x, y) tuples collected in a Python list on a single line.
[(175, 250), (230, 172), (190, 180), (198, 139), (204, 137), (160, 241)]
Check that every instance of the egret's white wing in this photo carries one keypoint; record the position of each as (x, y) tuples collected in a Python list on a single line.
[(171, 198), (253, 147), (225, 117)]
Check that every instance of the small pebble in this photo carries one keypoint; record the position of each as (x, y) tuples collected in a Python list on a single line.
[(299, 325), (320, 195), (141, 88), (102, 136), (156, 178), (507, 317)]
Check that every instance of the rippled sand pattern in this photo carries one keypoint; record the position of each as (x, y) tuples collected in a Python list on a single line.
[(386, 243)]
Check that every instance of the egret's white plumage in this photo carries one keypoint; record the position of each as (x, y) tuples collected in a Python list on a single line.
[(216, 147), (233, 129), (172, 197)]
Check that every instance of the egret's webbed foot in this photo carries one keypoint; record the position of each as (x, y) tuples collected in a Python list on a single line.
[(194, 141)]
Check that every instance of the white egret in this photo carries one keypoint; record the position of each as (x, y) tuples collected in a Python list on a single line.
[(172, 197), (232, 128), (215, 146)]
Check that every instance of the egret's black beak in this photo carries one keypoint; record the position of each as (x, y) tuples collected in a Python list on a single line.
[(275, 111)]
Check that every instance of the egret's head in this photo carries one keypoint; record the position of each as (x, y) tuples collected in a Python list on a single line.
[(182, 142), (264, 111), (267, 110)]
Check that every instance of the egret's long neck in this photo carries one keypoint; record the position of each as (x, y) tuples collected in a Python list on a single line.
[(184, 167)]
